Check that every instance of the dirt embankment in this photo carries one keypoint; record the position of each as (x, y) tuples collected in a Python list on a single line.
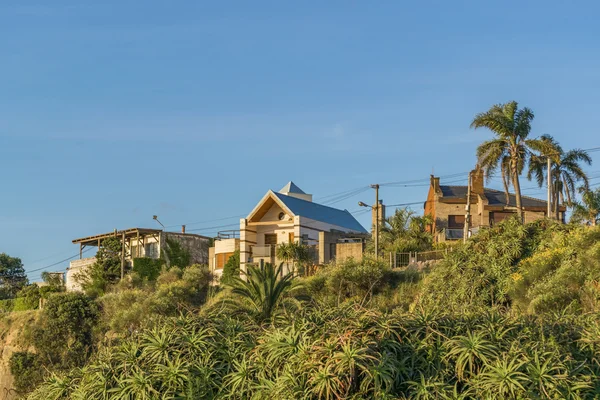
[(13, 328)]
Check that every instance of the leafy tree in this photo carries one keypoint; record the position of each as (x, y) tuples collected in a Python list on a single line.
[(12, 276), (106, 270), (265, 292), (405, 231), (53, 279), (231, 268), (511, 148), (565, 173), (63, 336), (587, 211)]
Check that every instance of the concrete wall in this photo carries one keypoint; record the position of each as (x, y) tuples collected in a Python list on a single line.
[(77, 267), (345, 251), (197, 246)]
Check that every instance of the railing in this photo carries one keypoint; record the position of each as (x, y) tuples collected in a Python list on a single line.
[(454, 234), (231, 234), (263, 251), (400, 260)]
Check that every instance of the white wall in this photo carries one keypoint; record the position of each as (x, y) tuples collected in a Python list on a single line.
[(77, 267)]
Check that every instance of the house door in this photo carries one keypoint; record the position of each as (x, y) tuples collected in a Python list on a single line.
[(271, 240)]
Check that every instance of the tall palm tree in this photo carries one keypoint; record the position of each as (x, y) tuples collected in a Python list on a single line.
[(511, 148), (588, 210), (566, 170)]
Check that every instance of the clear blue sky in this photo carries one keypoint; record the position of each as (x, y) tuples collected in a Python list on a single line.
[(113, 111)]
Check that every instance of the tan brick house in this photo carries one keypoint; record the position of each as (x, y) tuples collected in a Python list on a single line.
[(447, 206)]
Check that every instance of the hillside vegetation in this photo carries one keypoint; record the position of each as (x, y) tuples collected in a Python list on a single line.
[(511, 314)]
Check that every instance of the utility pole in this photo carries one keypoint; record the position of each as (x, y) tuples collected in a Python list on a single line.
[(468, 211), (376, 187), (548, 177)]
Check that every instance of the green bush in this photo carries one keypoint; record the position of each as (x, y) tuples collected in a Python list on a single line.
[(27, 370), (231, 268), (147, 268), (7, 305), (358, 279), (63, 335)]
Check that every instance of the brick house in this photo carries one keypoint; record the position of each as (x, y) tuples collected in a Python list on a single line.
[(447, 206)]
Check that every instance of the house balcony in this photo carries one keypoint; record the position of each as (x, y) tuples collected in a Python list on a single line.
[(263, 251)]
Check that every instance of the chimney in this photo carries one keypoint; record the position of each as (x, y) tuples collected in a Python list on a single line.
[(182, 228), (477, 180), (435, 182), (381, 215)]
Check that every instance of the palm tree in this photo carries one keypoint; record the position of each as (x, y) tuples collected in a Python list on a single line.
[(265, 291), (293, 252), (405, 231), (565, 173), (511, 147), (588, 210)]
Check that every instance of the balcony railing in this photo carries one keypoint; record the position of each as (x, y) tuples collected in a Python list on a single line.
[(453, 233), (231, 234), (263, 251)]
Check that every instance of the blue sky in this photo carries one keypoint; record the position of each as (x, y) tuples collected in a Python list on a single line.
[(113, 111)]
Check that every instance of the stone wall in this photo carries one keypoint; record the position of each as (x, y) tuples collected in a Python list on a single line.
[(196, 245)]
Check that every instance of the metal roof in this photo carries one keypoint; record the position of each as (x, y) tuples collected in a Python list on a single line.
[(318, 212), (291, 187), (495, 197)]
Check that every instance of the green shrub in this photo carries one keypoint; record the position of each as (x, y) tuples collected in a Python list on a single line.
[(63, 335), (27, 371), (231, 268), (7, 305), (358, 279), (147, 268)]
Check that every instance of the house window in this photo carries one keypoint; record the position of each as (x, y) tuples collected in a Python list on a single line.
[(456, 221), (497, 217), (221, 259), (151, 250)]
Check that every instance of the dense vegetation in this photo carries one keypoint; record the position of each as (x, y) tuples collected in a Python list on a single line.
[(512, 314)]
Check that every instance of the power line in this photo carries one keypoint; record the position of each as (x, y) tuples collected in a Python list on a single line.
[(58, 262)]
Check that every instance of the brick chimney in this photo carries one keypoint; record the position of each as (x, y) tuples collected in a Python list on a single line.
[(477, 178), (182, 228), (435, 182)]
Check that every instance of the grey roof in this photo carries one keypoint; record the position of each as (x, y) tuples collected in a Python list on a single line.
[(322, 213), (291, 187), (495, 197)]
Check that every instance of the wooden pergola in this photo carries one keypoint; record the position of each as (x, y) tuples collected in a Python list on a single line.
[(127, 236)]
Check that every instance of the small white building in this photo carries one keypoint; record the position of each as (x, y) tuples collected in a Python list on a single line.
[(288, 215)]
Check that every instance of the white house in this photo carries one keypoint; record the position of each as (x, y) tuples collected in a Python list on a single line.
[(289, 215)]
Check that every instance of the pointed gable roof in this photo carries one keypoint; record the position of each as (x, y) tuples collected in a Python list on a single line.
[(291, 187)]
